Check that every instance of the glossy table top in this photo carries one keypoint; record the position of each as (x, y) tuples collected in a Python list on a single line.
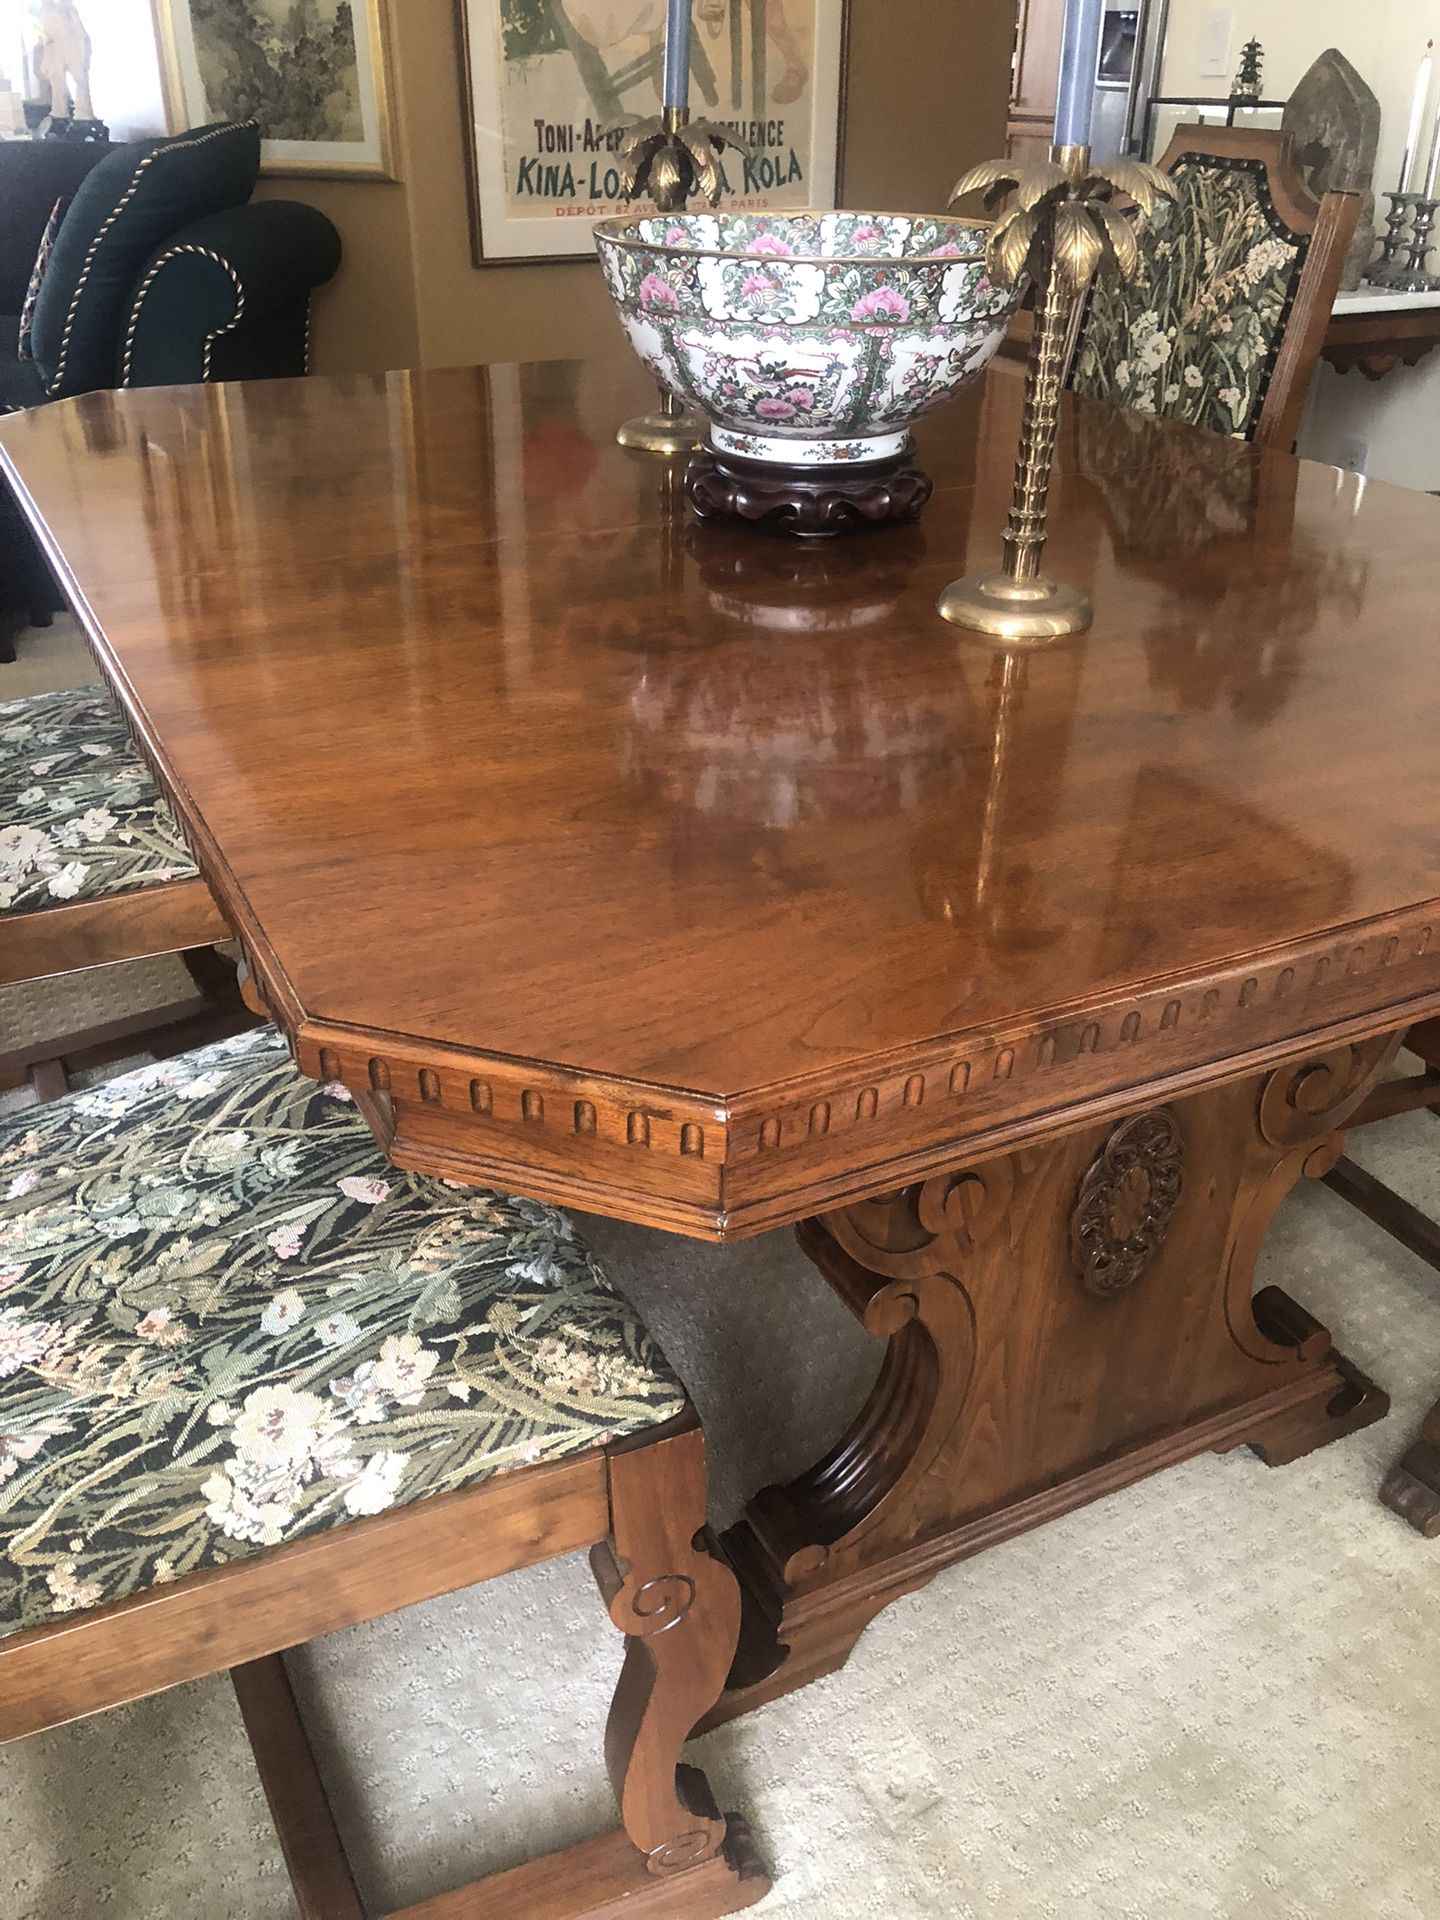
[(505, 770)]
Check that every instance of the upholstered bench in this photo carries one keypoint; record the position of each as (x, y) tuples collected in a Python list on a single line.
[(80, 815), (256, 1385), (93, 865)]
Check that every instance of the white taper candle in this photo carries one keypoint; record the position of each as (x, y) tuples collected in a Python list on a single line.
[(1432, 171), (1418, 102)]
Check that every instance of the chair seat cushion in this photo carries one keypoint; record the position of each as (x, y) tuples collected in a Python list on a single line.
[(226, 1322), (80, 816)]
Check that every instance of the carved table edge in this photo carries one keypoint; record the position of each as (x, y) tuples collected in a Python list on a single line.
[(1220, 999), (741, 1216)]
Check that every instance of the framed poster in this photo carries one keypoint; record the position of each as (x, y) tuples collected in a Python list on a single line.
[(312, 72), (548, 80)]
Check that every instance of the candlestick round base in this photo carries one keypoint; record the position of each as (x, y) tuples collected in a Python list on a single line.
[(1021, 612), (664, 433)]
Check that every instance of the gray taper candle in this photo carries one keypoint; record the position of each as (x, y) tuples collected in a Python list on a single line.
[(1079, 64), (677, 54)]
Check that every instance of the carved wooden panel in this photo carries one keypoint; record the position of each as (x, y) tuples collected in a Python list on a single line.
[(1126, 1202)]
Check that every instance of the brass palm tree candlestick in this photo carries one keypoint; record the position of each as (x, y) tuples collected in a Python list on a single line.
[(1060, 230), (670, 158)]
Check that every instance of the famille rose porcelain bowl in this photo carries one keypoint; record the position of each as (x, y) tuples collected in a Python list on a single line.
[(808, 339)]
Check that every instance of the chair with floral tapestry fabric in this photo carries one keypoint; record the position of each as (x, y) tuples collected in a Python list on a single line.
[(95, 870), (257, 1386), (1224, 324)]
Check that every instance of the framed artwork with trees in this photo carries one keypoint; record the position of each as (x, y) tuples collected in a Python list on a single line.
[(312, 72)]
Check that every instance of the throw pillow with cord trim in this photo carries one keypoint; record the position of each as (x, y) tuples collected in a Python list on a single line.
[(37, 275), (133, 201)]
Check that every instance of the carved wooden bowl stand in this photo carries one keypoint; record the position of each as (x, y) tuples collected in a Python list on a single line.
[(813, 503)]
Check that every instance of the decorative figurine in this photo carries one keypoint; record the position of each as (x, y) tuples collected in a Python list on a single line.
[(62, 60), (61, 64), (1248, 79)]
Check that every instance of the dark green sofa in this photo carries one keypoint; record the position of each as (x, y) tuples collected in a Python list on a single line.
[(163, 272)]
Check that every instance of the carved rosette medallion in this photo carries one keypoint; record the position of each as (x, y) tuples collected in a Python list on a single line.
[(1126, 1202)]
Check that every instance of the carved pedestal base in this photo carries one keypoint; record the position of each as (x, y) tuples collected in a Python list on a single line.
[(1063, 1321), (814, 503)]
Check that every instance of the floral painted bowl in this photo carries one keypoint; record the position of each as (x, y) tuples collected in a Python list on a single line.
[(808, 339)]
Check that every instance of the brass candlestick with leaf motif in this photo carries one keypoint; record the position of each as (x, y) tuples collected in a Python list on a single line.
[(671, 157), (1060, 230)]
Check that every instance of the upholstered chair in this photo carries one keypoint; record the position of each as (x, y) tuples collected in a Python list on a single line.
[(256, 1385), (1224, 325)]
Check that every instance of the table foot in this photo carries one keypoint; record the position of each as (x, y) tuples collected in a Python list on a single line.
[(1339, 1400), (1412, 1488), (1062, 1322)]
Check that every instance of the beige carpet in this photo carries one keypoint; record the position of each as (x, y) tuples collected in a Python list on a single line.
[(1214, 1696)]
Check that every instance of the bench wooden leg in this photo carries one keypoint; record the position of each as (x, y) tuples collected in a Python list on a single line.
[(678, 1605), (676, 1857), (309, 1839)]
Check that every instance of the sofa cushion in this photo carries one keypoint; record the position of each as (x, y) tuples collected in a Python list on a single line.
[(33, 175), (37, 279), (80, 815), (226, 1322), (135, 199)]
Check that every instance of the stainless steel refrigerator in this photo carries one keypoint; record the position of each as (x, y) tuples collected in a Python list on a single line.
[(1132, 51)]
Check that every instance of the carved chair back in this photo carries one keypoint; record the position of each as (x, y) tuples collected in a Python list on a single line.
[(1224, 324)]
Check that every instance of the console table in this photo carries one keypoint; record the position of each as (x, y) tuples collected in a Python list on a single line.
[(1378, 331)]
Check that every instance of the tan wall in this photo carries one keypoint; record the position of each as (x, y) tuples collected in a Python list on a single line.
[(365, 320), (928, 89)]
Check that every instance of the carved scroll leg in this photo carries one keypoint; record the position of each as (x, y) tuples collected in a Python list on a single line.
[(679, 1608), (821, 1557), (1303, 1107), (1412, 1488)]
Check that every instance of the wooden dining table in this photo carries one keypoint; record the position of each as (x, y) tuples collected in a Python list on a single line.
[(710, 881)]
